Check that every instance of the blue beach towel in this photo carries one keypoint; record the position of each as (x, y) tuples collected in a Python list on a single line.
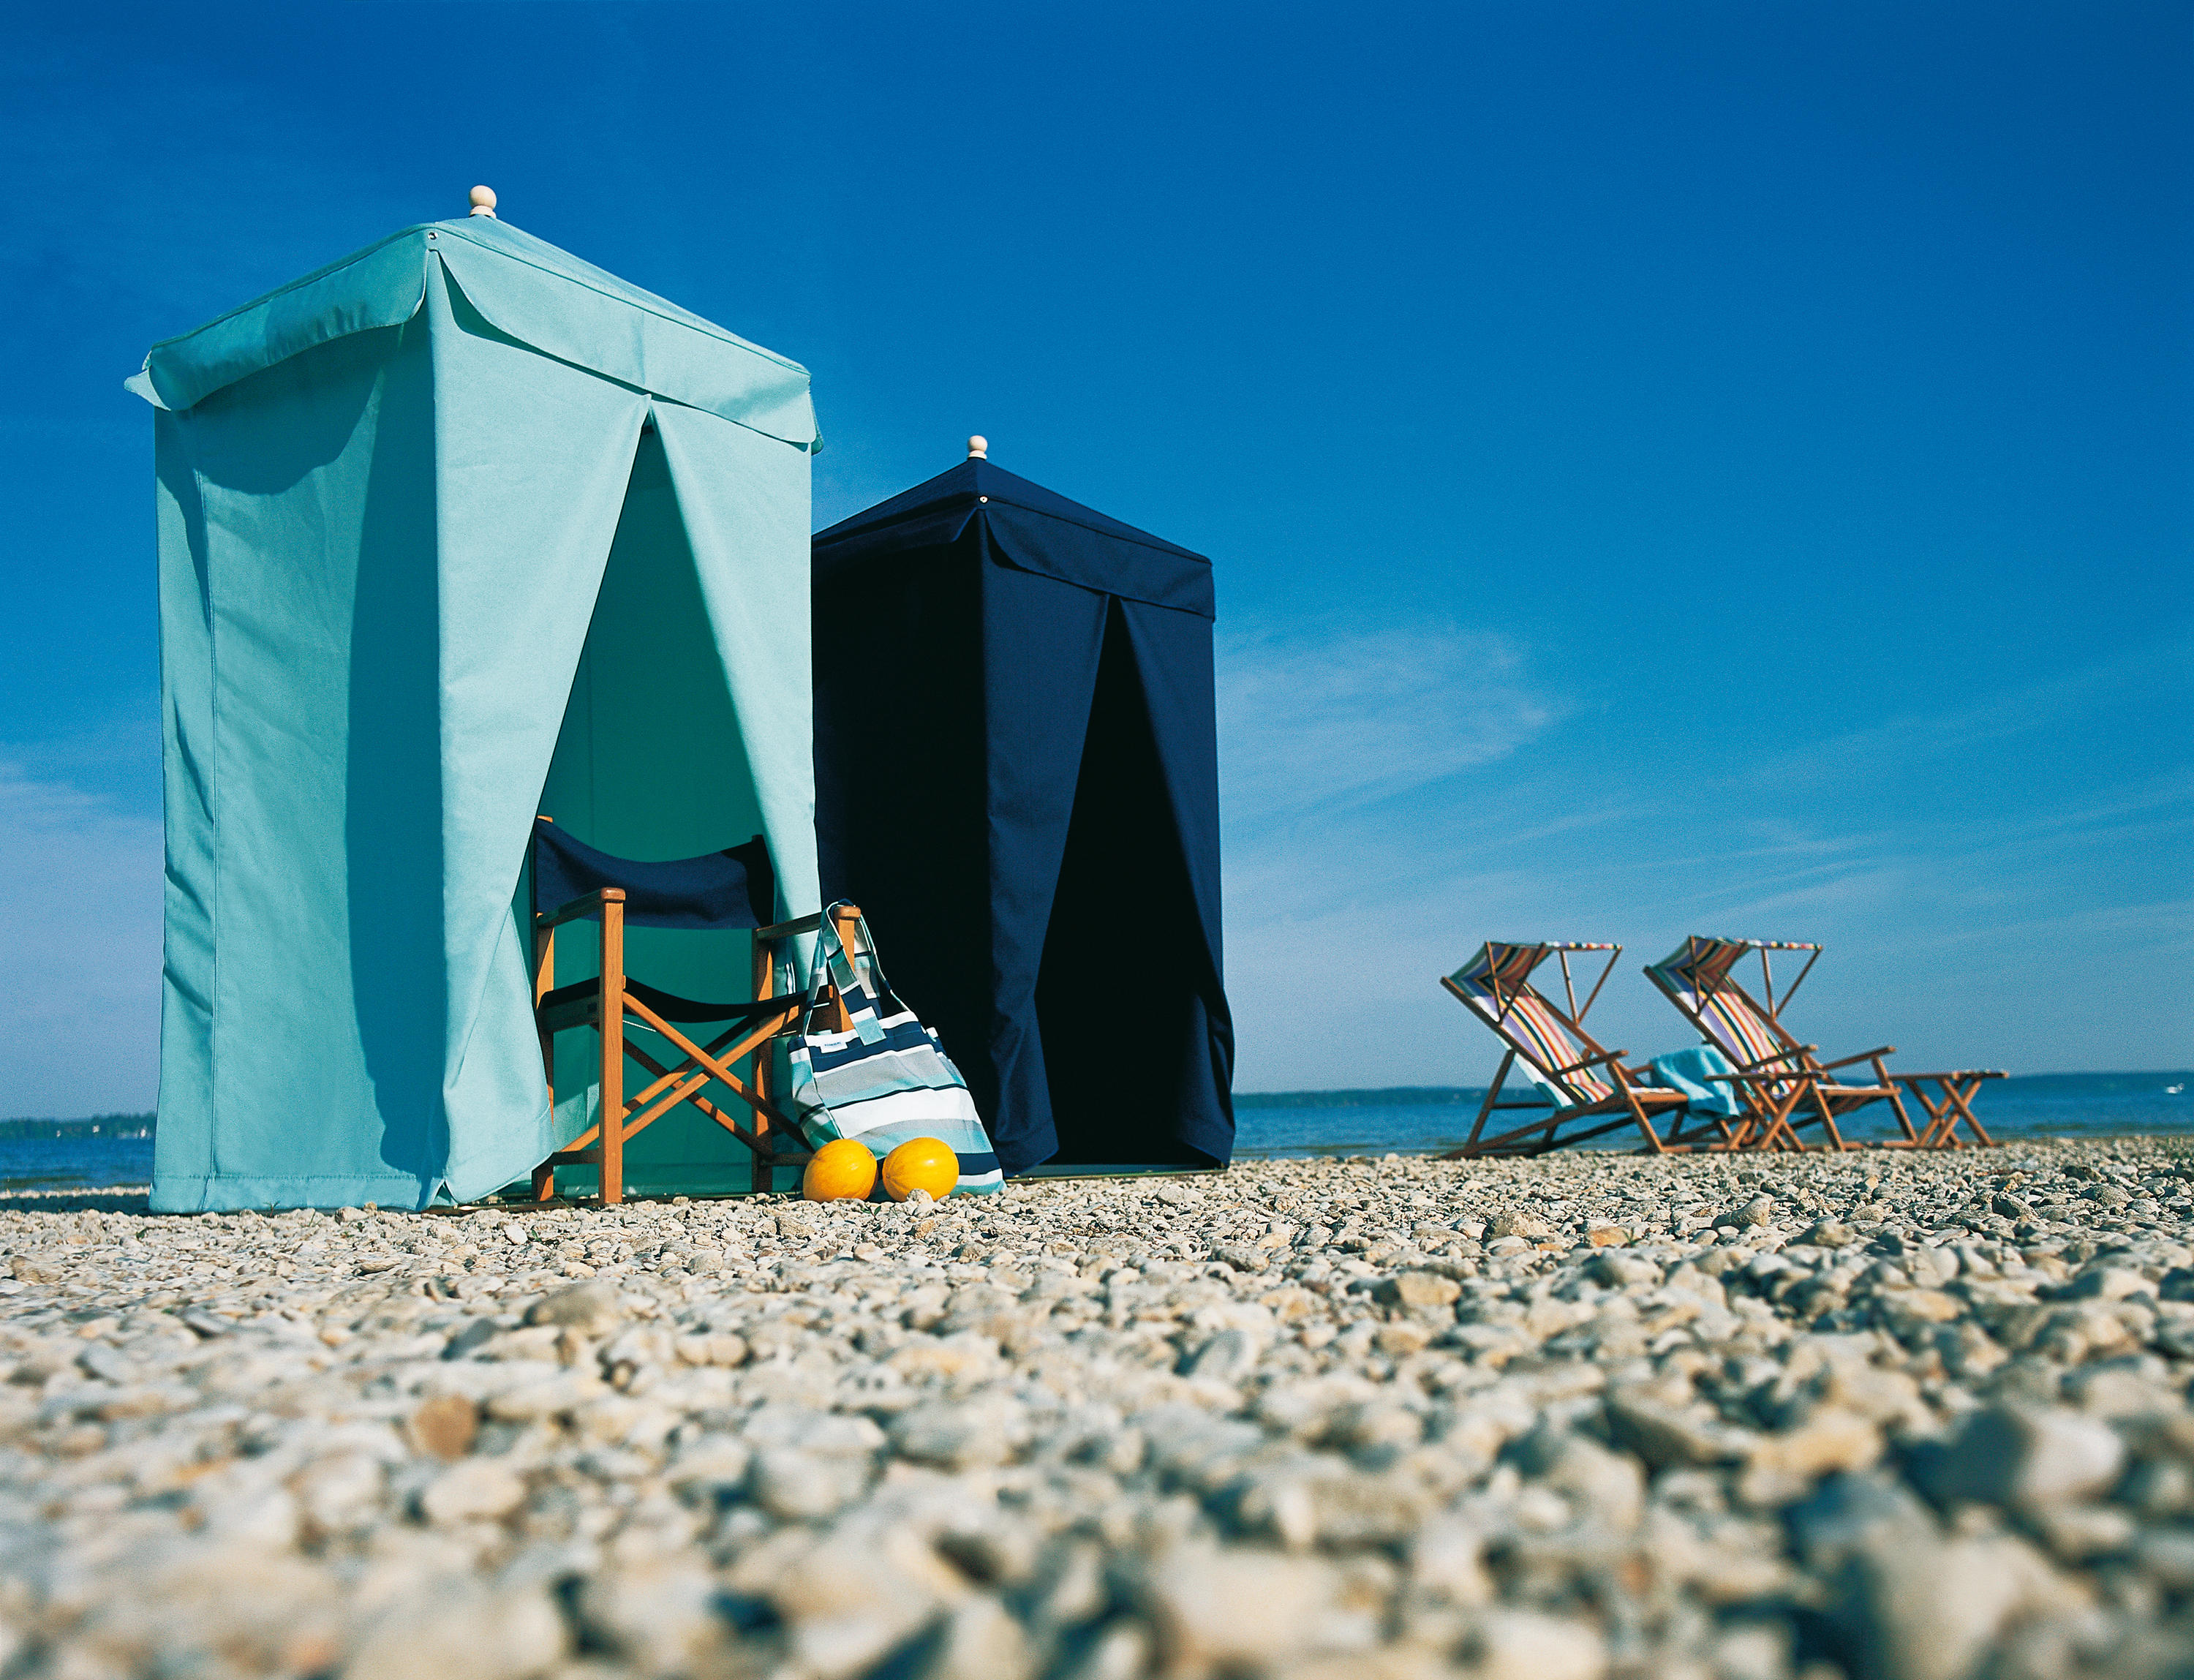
[(1690, 1072)]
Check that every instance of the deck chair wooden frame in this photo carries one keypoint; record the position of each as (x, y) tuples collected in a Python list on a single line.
[(619, 1003), (1783, 1084), (1496, 987), (1949, 1107)]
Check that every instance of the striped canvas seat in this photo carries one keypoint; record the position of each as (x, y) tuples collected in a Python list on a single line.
[(1497, 983), (1697, 977)]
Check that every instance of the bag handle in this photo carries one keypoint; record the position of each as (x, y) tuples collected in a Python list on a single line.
[(837, 964)]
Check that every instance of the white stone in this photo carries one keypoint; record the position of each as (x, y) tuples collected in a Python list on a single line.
[(473, 1489), (1523, 1645)]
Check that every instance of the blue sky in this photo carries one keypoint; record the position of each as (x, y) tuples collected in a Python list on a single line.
[(1670, 468)]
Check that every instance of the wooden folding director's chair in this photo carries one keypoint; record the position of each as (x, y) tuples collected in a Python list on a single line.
[(1577, 1079), (1782, 1083), (728, 889)]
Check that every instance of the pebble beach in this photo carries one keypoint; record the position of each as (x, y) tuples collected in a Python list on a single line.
[(1865, 1416)]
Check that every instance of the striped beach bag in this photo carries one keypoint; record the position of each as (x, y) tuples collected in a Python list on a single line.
[(887, 1080)]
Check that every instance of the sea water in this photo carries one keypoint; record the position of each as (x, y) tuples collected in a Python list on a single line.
[(2035, 1106), (74, 1162)]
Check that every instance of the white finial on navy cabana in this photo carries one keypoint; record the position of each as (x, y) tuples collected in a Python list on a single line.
[(483, 199), (978, 449)]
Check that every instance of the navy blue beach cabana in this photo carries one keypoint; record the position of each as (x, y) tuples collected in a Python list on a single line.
[(1016, 775)]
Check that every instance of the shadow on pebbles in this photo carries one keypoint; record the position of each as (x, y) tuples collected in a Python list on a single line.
[(1866, 1416)]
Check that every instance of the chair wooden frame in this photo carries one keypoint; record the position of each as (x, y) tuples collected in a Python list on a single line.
[(612, 1009), (1951, 1107), (1629, 1102), (1790, 1088)]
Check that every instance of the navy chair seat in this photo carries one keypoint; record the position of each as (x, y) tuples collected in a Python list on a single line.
[(667, 1005)]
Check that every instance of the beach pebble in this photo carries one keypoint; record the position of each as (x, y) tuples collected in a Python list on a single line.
[(1524, 1645), (1216, 1611), (444, 1426), (461, 1631), (592, 1307), (1520, 1223), (2027, 1455), (477, 1488), (1930, 1609), (660, 1615), (1760, 1211), (958, 1436), (1425, 1290), (1331, 1420)]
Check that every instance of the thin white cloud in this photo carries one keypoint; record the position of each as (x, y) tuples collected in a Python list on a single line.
[(2045, 705), (1310, 723)]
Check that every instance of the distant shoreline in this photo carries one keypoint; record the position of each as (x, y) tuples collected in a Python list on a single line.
[(1391, 1097), (93, 1126)]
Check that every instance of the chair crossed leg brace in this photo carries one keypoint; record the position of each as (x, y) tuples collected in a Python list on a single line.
[(1951, 1107), (1788, 1090), (614, 1002)]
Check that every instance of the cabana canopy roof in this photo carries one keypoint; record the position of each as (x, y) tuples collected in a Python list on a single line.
[(543, 297), (1029, 527)]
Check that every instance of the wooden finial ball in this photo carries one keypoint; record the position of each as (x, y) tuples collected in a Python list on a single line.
[(978, 449), (483, 199)]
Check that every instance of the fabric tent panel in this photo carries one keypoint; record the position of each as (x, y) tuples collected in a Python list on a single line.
[(745, 503), (1173, 657), (1115, 996), (534, 459), (493, 233), (392, 664), (687, 729), (899, 823), (1037, 703), (184, 1149), (1094, 642), (316, 478), (938, 526), (1062, 549), (979, 480), (650, 764), (382, 529)]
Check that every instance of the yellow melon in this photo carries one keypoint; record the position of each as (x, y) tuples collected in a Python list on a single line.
[(922, 1164), (841, 1170)]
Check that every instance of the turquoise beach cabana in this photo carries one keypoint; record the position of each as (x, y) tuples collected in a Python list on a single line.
[(458, 529)]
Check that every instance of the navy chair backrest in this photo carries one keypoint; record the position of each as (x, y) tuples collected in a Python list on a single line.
[(731, 889)]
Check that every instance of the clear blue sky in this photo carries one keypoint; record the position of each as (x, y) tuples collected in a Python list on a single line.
[(1670, 468)]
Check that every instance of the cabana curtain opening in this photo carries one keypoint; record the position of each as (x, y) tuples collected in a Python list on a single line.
[(390, 498), (1017, 776)]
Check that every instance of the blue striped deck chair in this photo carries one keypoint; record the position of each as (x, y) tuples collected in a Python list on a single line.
[(1783, 1084), (1586, 1088)]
